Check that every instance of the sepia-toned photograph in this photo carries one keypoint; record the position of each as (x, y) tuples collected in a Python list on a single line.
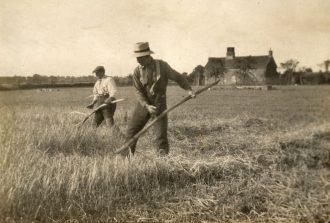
[(165, 111)]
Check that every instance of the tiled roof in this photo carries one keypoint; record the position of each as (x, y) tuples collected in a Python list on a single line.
[(256, 62)]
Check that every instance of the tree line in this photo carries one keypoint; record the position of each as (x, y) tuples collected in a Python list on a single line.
[(291, 74), (37, 81)]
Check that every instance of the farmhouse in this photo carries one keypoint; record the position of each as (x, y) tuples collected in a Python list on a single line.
[(244, 70)]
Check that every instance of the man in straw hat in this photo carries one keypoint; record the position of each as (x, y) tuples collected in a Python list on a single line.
[(150, 80), (104, 92)]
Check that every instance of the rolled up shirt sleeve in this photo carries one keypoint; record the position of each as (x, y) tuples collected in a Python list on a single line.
[(95, 92), (112, 87), (176, 76), (139, 91)]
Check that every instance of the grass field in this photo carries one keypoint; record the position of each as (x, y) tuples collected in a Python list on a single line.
[(236, 156)]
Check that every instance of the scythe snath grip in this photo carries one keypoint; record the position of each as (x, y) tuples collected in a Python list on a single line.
[(102, 106), (137, 135)]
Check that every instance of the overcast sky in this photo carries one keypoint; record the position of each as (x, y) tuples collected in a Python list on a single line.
[(71, 37)]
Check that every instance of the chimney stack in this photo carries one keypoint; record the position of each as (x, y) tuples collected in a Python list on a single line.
[(230, 53), (270, 53)]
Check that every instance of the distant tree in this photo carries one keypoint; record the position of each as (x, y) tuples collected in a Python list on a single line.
[(197, 75), (91, 78), (245, 74), (124, 81), (289, 67), (130, 78), (36, 79), (18, 79), (290, 64), (214, 70), (299, 76), (326, 65), (53, 80), (305, 70)]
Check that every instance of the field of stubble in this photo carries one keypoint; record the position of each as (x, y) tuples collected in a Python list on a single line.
[(236, 156)]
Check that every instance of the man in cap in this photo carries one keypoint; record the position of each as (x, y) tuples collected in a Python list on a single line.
[(150, 80), (104, 92)]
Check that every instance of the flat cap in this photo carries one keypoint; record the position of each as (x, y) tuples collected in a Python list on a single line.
[(98, 68)]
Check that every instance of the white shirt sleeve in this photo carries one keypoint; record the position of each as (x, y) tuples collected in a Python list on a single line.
[(112, 87), (95, 92)]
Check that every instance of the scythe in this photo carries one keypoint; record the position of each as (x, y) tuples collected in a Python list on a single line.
[(125, 147), (102, 106)]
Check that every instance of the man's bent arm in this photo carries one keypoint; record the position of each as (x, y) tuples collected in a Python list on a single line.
[(94, 93), (177, 77), (112, 87)]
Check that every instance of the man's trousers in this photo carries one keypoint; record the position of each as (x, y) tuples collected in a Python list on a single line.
[(139, 119), (105, 114)]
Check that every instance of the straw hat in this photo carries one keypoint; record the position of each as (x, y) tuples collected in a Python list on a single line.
[(142, 49)]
